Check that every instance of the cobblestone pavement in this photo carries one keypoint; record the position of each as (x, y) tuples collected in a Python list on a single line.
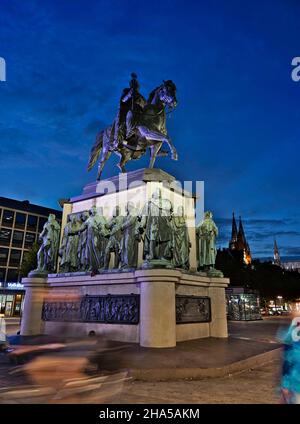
[(259, 385)]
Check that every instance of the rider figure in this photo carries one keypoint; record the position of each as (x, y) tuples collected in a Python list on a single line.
[(131, 105)]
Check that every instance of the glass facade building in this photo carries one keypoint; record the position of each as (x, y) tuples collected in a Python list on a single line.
[(242, 304), (20, 224)]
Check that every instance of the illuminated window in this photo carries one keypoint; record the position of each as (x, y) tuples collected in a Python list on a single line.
[(18, 239), (20, 220), (5, 236), (3, 256), (8, 218), (2, 274), (15, 257), (32, 223), (12, 276), (29, 239)]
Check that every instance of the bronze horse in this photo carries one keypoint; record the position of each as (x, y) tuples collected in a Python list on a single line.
[(146, 127)]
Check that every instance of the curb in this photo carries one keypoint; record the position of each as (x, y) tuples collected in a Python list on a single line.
[(173, 374)]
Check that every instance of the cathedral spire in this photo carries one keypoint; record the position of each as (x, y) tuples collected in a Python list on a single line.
[(241, 238), (234, 233), (276, 260), (238, 242), (243, 244)]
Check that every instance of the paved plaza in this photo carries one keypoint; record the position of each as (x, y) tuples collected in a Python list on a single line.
[(257, 384)]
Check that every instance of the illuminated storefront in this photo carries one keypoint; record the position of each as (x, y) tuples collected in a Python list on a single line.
[(242, 304), (11, 300), (279, 306)]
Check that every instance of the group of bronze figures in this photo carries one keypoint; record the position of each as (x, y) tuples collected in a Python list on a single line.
[(89, 239)]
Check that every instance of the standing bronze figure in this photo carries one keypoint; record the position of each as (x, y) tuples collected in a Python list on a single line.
[(47, 254), (94, 226), (207, 232), (115, 234), (139, 124), (131, 235), (156, 220), (64, 259), (70, 245), (181, 243), (82, 247)]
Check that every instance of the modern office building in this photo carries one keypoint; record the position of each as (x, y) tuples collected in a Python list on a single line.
[(20, 224)]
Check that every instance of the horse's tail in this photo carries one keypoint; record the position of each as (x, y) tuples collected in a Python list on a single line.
[(95, 151), (103, 139)]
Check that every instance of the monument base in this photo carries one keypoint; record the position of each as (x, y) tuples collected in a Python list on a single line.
[(152, 307), (156, 263), (36, 273), (155, 305), (212, 272)]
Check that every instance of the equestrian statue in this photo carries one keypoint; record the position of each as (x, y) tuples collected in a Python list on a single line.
[(139, 124)]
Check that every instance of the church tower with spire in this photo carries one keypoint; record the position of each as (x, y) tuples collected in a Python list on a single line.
[(234, 234), (238, 242), (276, 260)]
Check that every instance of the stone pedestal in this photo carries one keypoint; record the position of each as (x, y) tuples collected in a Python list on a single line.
[(155, 305), (157, 322), (218, 325), (169, 306), (36, 292)]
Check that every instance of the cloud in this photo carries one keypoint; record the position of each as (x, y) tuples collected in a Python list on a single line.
[(291, 251), (260, 235)]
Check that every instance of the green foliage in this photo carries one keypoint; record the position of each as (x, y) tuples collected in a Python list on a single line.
[(29, 260), (270, 280)]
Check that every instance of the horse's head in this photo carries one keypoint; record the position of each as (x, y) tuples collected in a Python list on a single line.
[(167, 94)]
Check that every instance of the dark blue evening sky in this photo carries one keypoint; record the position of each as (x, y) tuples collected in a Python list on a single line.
[(236, 127)]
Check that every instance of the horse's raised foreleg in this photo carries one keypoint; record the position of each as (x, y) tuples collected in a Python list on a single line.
[(155, 138), (125, 156), (174, 154)]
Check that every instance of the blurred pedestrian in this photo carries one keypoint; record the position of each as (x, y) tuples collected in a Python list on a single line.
[(290, 381), (3, 342)]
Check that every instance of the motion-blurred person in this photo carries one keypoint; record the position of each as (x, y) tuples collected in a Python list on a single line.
[(290, 381), (3, 341)]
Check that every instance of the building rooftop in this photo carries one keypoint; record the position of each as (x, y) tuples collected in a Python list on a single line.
[(26, 206)]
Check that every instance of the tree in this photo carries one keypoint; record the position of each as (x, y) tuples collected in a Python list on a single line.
[(29, 262)]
